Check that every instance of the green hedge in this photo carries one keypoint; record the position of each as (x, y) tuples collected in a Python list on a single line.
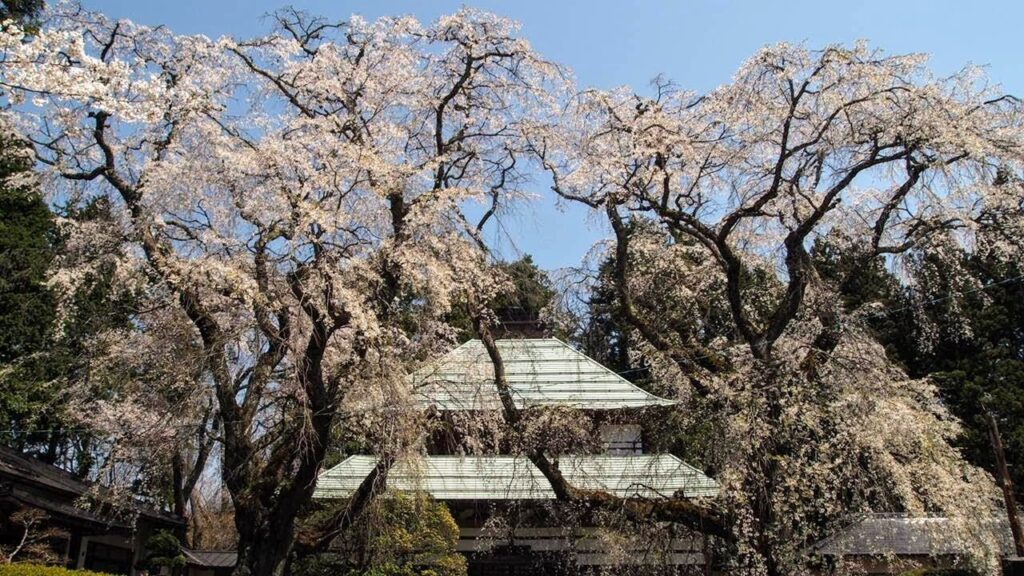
[(41, 570)]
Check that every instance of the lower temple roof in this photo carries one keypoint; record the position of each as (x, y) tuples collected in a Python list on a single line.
[(516, 478)]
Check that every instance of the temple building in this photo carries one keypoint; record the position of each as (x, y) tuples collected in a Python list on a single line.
[(542, 373)]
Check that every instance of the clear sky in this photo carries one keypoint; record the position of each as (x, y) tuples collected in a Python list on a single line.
[(698, 44)]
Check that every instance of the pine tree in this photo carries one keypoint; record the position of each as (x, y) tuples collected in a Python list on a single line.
[(27, 239), (958, 319)]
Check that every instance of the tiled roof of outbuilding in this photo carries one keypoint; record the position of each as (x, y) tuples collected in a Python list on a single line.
[(210, 558), (902, 535)]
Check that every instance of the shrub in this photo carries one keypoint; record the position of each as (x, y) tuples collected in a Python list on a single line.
[(400, 535), (19, 569), (412, 535), (164, 551)]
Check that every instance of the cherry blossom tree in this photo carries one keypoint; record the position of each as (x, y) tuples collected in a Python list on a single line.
[(740, 182), (292, 207), (146, 395), (294, 201)]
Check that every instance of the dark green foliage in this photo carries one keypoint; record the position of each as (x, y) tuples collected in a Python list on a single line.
[(605, 336), (400, 535), (25, 12), (670, 431), (960, 320), (532, 292), (865, 284), (21, 11), (38, 359), (164, 551), (40, 570), (977, 358), (28, 236), (692, 320), (517, 311)]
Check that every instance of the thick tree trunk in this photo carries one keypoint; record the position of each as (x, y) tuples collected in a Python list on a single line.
[(764, 512), (197, 536), (266, 510), (269, 498), (266, 526), (1006, 483), (763, 486), (178, 482), (269, 481), (263, 546)]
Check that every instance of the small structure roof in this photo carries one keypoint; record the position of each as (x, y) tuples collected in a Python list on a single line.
[(210, 558), (541, 372), (516, 478), (902, 535)]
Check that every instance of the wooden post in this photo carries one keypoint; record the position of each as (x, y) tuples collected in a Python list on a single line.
[(1006, 483)]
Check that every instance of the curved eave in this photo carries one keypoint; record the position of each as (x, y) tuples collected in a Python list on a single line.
[(516, 478)]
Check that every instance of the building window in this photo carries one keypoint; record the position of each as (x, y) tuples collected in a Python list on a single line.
[(622, 439)]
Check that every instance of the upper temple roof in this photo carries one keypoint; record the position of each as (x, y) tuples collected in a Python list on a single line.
[(540, 372)]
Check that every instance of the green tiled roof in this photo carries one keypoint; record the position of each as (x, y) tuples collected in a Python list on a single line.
[(541, 372), (516, 478)]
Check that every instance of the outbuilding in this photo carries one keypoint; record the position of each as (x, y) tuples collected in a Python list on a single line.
[(83, 536)]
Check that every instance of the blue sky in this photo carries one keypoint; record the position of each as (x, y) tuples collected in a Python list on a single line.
[(609, 43)]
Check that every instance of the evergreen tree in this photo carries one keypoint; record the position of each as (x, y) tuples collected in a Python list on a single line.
[(974, 314), (866, 286), (27, 238), (38, 358), (24, 12), (603, 336), (532, 291), (958, 319), (698, 319), (519, 310)]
